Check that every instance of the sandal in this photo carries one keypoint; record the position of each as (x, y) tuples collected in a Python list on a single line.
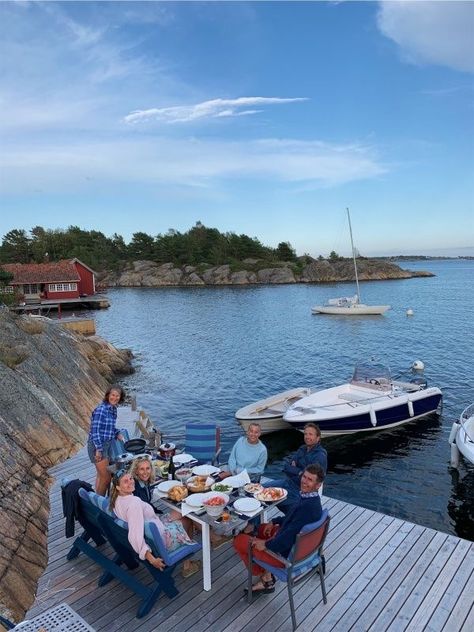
[(268, 587), (193, 567)]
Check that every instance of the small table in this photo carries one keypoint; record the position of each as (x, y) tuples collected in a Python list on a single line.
[(202, 518)]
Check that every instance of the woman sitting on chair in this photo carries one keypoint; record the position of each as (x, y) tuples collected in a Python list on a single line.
[(173, 529)]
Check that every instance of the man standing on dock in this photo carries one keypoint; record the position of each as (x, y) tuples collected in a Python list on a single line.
[(310, 453)]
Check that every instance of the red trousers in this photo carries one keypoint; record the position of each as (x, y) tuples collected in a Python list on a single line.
[(241, 544)]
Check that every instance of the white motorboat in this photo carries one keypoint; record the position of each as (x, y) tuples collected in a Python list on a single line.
[(461, 437), (269, 412), (350, 306), (372, 400)]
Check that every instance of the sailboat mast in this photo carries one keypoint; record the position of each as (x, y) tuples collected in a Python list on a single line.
[(353, 255)]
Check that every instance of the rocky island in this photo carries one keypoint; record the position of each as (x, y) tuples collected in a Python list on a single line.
[(146, 273), (50, 380)]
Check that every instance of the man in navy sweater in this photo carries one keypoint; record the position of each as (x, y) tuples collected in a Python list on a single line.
[(279, 535), (310, 453)]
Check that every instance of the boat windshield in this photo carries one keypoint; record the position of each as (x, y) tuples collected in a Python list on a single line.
[(343, 301), (372, 374)]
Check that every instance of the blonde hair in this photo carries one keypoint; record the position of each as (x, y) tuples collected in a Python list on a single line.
[(136, 463)]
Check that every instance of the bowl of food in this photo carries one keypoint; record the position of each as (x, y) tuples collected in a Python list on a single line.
[(222, 487), (214, 505), (199, 483)]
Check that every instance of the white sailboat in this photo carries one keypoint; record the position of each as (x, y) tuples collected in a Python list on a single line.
[(351, 305)]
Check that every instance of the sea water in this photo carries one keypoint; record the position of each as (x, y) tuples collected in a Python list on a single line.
[(202, 353)]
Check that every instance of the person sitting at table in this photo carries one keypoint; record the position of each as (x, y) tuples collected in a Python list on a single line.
[(174, 529), (311, 452), (279, 535), (144, 476), (248, 453)]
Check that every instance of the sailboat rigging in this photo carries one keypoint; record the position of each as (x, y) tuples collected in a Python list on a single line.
[(350, 306)]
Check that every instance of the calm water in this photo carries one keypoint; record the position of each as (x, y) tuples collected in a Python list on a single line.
[(203, 353)]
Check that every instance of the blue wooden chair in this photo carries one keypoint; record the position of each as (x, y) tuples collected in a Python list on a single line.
[(305, 557), (203, 442), (99, 519)]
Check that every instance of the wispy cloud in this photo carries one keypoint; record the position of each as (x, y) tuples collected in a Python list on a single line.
[(161, 162), (215, 108), (431, 32)]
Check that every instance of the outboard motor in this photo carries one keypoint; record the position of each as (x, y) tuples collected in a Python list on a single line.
[(420, 381)]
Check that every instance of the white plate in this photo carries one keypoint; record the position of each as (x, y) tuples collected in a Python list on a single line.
[(165, 486), (181, 459), (247, 504), (196, 500), (205, 470)]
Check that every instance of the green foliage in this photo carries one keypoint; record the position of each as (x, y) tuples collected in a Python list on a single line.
[(198, 246), (285, 252), (333, 256)]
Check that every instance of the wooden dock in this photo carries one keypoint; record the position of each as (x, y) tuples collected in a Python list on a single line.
[(382, 574)]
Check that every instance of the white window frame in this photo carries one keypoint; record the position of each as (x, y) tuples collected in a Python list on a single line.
[(62, 287), (7, 289)]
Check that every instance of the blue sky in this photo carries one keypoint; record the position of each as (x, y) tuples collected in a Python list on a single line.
[(264, 118)]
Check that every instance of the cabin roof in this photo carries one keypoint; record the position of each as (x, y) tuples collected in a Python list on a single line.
[(51, 272)]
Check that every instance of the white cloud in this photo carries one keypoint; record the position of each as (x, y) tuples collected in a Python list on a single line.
[(214, 108), (70, 167), (431, 32)]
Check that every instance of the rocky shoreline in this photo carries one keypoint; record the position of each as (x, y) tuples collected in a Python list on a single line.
[(50, 380), (253, 271)]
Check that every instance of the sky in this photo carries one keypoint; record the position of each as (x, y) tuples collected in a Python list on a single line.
[(262, 118)]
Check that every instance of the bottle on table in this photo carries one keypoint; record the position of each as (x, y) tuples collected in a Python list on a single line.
[(171, 470)]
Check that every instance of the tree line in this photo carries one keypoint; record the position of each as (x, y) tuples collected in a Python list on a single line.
[(198, 245)]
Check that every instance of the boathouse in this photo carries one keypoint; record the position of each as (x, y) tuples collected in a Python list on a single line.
[(51, 281)]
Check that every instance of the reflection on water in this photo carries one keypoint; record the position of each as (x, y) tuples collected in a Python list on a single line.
[(202, 353)]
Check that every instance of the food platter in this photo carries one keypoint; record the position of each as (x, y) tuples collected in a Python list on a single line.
[(271, 494), (165, 486), (247, 504), (253, 488)]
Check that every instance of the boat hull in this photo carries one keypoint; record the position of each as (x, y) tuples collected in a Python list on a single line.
[(375, 412), (463, 442), (352, 310), (269, 412)]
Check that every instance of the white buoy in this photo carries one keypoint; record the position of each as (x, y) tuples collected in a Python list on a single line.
[(418, 365), (410, 312)]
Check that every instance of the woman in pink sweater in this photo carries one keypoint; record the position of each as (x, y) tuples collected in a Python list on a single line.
[(135, 512)]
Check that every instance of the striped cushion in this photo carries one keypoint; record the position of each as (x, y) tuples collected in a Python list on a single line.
[(201, 441)]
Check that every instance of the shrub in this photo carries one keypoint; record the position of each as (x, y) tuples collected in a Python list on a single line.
[(30, 326), (12, 357)]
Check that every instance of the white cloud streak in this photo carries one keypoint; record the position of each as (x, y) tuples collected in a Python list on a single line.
[(438, 33), (215, 108), (196, 163)]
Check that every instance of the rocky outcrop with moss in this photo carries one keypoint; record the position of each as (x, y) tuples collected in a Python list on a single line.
[(50, 380), (253, 271)]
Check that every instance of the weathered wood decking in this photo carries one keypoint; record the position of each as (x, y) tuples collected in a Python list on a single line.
[(382, 574)]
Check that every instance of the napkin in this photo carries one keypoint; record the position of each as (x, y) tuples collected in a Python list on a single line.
[(239, 480)]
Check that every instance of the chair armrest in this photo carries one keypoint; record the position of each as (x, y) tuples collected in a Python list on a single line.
[(216, 457), (277, 556)]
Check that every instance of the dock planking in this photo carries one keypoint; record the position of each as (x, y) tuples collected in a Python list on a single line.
[(382, 574)]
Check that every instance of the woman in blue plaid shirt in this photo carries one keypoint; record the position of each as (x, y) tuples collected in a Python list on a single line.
[(101, 434)]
